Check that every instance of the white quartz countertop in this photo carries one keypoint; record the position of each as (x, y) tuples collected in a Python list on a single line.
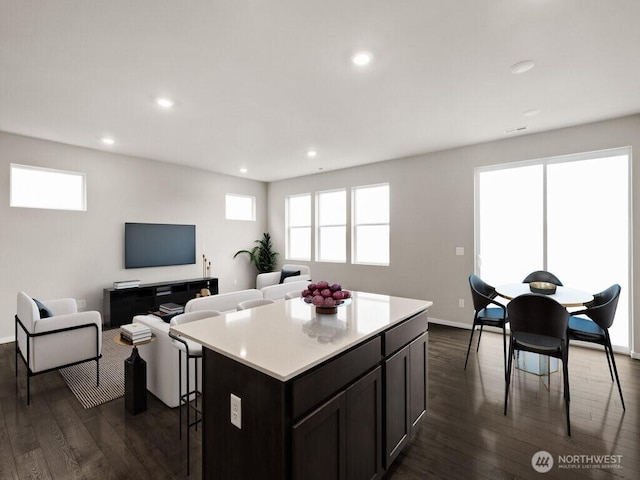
[(286, 338)]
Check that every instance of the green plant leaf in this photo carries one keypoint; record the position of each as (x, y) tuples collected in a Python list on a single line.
[(262, 255)]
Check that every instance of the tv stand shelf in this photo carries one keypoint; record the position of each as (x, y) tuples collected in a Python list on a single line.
[(120, 305)]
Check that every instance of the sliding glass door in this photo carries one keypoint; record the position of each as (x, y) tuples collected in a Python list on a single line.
[(569, 215)]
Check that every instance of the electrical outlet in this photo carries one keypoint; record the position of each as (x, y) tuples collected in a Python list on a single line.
[(236, 411), (235, 282), (81, 304), (461, 303), (459, 250)]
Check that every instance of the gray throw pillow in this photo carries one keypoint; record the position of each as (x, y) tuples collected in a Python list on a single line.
[(288, 273), (44, 311)]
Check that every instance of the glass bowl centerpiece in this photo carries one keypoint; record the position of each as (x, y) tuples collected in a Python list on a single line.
[(325, 297)]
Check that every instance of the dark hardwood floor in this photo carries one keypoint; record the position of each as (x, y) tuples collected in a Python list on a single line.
[(467, 436), (464, 436)]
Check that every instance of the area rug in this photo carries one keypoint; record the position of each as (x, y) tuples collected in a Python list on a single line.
[(82, 378)]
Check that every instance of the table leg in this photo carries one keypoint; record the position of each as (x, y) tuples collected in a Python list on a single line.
[(536, 364)]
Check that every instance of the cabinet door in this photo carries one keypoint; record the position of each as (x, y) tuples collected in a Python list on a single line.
[(418, 355), (396, 385), (364, 427), (319, 442)]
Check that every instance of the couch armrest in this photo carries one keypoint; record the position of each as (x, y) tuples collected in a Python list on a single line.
[(156, 324), (161, 356), (62, 306), (266, 279), (65, 321)]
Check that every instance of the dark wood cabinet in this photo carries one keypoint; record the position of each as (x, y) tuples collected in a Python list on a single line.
[(120, 305), (397, 429), (418, 369), (342, 439), (405, 375), (364, 428), (319, 442)]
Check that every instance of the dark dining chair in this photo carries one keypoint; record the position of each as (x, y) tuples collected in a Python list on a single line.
[(483, 295), (595, 329), (539, 324), (542, 276)]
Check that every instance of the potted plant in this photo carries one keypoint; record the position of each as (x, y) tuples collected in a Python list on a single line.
[(262, 255)]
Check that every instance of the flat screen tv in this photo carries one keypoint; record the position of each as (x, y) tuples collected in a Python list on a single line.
[(158, 244)]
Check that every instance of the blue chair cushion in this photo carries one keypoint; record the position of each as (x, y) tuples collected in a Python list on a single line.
[(42, 309), (585, 326), (494, 317), (492, 313)]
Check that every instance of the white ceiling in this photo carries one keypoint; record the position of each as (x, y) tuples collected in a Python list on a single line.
[(257, 83)]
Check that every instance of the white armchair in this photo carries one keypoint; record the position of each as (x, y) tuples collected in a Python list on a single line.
[(59, 338), (273, 278)]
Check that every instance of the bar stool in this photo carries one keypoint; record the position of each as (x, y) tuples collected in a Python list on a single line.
[(192, 351)]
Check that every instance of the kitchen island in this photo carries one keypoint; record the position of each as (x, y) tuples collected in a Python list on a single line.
[(310, 395)]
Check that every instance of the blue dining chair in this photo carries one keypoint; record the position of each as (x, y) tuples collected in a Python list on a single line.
[(483, 295), (595, 328)]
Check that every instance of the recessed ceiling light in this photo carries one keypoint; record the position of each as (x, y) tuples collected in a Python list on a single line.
[(108, 140), (531, 113), (243, 170), (312, 153), (522, 67), (362, 58), (164, 102)]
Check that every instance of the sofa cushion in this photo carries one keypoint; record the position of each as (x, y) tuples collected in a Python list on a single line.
[(288, 273), (44, 311), (222, 302), (277, 292)]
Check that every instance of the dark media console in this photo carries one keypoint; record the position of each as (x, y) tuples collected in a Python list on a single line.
[(120, 305)]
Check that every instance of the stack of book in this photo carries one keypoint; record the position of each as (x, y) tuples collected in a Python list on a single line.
[(126, 284), (135, 333), (171, 308)]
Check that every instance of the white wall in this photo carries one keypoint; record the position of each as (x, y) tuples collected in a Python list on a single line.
[(432, 212), (53, 254)]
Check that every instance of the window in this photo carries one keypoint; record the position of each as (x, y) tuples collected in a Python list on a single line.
[(36, 187), (240, 207), (298, 225), (331, 221), (370, 237), (569, 215)]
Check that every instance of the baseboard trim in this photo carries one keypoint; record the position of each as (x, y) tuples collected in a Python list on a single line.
[(449, 323), (464, 326), (7, 340)]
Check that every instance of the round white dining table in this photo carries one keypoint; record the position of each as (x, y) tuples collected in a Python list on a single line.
[(565, 296)]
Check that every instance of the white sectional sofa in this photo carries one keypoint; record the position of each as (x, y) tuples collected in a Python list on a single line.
[(162, 357)]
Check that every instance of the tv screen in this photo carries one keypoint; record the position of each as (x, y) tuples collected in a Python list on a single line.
[(156, 245)]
